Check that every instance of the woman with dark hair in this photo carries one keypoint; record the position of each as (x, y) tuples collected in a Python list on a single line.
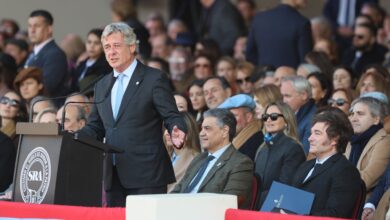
[(321, 88), (343, 77), (12, 110), (181, 158), (209, 47), (321, 60), (94, 66), (203, 66), (281, 153), (198, 102), (29, 84), (342, 99)]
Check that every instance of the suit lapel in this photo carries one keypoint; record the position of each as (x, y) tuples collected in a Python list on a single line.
[(305, 171), (329, 163), (131, 89), (107, 83), (218, 165)]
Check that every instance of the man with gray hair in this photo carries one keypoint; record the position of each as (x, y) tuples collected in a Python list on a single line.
[(222, 169), (134, 101), (369, 148), (296, 92)]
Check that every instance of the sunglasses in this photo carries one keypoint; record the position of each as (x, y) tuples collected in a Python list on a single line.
[(7, 101), (273, 116), (241, 81), (338, 102)]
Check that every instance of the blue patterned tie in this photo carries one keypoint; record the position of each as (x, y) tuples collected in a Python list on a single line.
[(120, 91), (201, 171)]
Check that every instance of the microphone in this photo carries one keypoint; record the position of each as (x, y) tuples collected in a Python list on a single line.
[(113, 79)]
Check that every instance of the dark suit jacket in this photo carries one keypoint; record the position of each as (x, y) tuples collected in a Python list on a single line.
[(280, 163), (53, 62), (231, 174), (7, 161), (147, 102), (374, 56), (99, 68), (304, 117), (223, 23), (381, 188), (336, 186), (280, 37)]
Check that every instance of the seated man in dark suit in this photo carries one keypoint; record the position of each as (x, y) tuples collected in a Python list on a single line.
[(330, 176), (248, 130), (222, 169)]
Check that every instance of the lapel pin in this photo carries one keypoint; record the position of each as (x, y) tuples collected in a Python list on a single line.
[(219, 164), (137, 83)]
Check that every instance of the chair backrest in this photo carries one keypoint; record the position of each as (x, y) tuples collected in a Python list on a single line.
[(359, 205), (256, 191)]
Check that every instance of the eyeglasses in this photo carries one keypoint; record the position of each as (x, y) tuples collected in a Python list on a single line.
[(241, 81), (204, 65), (338, 102), (273, 116), (7, 101), (177, 60), (360, 37)]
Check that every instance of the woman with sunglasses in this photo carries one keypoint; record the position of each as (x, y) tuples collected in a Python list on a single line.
[(281, 153), (342, 98), (11, 111), (244, 72)]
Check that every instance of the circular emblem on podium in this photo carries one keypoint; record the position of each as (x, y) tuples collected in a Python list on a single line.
[(35, 176)]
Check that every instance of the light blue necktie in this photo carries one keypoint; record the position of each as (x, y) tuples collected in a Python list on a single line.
[(120, 91)]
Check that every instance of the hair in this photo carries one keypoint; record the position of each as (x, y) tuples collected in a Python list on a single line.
[(8, 69), (81, 113), (325, 84), (224, 118), (21, 44), (210, 47), (310, 68), (339, 127), (29, 72), (299, 83), (43, 13), (124, 9), (376, 107), (289, 117), (370, 27), (379, 81), (370, 21), (245, 67), (40, 98), (192, 140), (14, 24), (120, 27), (377, 68), (157, 17), (164, 64), (349, 71), (96, 31), (251, 3), (349, 93), (44, 111), (321, 60), (326, 31), (208, 57), (262, 71), (228, 59), (21, 115), (224, 83), (267, 94)]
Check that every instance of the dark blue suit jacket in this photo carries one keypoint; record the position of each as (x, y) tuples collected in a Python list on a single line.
[(146, 104), (304, 117), (52, 60), (381, 188), (279, 37)]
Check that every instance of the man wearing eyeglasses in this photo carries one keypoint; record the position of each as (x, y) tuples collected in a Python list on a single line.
[(365, 50), (248, 130)]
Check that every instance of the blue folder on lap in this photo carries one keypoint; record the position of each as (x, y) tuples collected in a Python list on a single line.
[(288, 198)]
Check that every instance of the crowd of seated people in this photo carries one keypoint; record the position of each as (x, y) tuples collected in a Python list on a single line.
[(248, 85)]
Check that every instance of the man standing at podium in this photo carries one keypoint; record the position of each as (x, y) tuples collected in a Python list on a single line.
[(132, 104)]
